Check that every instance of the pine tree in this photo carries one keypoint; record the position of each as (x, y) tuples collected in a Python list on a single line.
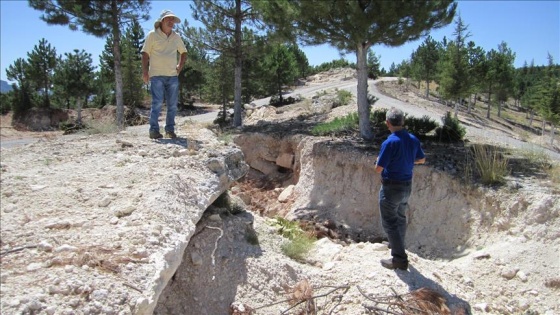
[(301, 60), (41, 63), (427, 57), (74, 79), (99, 18), (355, 26), (223, 33), (22, 101), (373, 65), (454, 81), (132, 42), (282, 66)]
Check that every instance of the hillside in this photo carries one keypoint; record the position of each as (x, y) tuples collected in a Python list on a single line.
[(5, 87), (120, 224)]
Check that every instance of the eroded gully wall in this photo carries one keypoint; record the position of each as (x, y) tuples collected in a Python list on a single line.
[(337, 181)]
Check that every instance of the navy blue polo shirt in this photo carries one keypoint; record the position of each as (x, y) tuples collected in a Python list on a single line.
[(397, 155)]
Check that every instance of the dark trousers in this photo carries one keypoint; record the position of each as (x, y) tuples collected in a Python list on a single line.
[(393, 204)]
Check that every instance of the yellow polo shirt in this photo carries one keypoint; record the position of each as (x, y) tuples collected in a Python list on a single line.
[(162, 50)]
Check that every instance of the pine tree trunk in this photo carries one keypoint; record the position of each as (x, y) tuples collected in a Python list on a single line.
[(118, 67), (362, 93), (489, 104), (552, 129), (500, 108), (427, 89), (531, 119), (238, 65), (457, 108), (79, 107)]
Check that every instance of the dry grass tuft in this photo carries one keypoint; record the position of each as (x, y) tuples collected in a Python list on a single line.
[(429, 301), (301, 294)]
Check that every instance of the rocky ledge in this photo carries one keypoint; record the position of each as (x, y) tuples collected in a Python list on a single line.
[(98, 224)]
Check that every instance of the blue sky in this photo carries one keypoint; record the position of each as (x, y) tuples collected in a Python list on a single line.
[(530, 28)]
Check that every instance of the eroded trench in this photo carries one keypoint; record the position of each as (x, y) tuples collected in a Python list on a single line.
[(332, 188)]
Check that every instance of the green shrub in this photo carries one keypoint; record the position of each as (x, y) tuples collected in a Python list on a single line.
[(275, 101), (378, 117), (337, 126), (6, 102), (299, 244), (451, 131), (420, 126), (343, 98), (490, 164)]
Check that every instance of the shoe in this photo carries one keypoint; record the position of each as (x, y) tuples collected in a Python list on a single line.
[(170, 134), (155, 135), (389, 264)]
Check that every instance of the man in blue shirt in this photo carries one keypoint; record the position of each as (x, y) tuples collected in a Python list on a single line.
[(395, 162)]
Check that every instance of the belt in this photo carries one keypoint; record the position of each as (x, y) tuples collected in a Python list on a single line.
[(385, 181)]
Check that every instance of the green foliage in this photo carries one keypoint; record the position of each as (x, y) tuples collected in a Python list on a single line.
[(420, 126), (490, 164), (426, 60), (131, 44), (41, 62), (451, 130), (301, 60), (343, 98), (338, 126), (378, 116), (282, 68), (373, 64), (6, 100), (334, 64), (276, 101), (99, 18), (74, 78), (299, 244)]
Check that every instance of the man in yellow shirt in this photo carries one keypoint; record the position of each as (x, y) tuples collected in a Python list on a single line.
[(160, 68)]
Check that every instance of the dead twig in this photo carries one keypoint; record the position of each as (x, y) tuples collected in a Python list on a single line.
[(17, 249)]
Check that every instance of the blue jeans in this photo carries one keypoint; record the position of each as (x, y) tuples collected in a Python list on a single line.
[(393, 204), (161, 87)]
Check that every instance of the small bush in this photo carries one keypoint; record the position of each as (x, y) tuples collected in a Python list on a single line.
[(490, 164), (372, 99), (451, 131), (6, 102), (378, 117), (299, 244), (343, 98), (275, 101), (420, 126)]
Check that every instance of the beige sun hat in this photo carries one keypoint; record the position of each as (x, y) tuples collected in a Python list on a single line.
[(163, 15)]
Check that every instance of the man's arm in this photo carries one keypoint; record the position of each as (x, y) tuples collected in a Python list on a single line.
[(145, 67), (378, 169), (182, 60), (420, 161)]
